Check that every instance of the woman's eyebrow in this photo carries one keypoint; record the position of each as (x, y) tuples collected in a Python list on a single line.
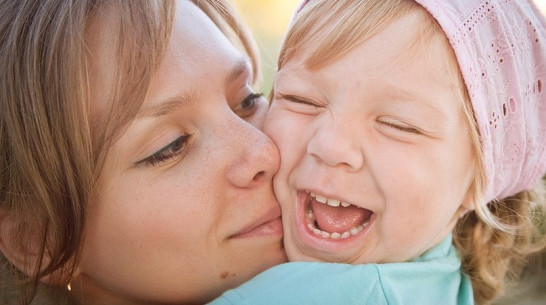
[(241, 67), (168, 105)]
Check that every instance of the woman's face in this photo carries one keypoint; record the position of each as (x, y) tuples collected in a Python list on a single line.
[(184, 207)]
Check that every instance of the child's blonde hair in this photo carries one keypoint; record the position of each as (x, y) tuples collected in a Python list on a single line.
[(51, 146), (494, 240)]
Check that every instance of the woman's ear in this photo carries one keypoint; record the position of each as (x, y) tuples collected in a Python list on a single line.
[(19, 243)]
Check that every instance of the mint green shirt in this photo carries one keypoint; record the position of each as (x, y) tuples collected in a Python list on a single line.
[(433, 278)]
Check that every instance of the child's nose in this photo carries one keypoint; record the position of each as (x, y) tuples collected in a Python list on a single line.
[(334, 144)]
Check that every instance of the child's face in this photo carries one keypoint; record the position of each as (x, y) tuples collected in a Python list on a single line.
[(379, 129)]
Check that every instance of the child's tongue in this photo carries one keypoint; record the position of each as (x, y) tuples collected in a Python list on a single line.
[(338, 219)]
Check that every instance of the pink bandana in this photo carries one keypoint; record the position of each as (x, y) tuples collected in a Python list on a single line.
[(501, 49)]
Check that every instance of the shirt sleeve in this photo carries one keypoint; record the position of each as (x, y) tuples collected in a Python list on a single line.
[(432, 278), (310, 283)]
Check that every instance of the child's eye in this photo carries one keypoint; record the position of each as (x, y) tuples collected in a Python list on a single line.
[(298, 100), (247, 107), (176, 149), (401, 128)]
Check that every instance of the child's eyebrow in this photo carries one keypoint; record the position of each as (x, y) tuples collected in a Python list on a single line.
[(403, 94)]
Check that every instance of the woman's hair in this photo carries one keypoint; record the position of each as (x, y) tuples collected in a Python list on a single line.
[(496, 239), (51, 146)]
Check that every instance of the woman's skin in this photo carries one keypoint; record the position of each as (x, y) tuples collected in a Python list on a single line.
[(184, 207)]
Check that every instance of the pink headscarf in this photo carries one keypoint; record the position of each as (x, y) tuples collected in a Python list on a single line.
[(501, 50)]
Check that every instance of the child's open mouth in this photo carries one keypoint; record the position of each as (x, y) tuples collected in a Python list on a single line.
[(334, 219)]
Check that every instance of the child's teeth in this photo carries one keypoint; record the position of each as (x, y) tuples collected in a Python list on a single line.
[(333, 202), (356, 229), (328, 201), (335, 235), (345, 234), (320, 199)]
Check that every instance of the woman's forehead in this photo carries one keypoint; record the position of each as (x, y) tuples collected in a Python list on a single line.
[(198, 58), (196, 48)]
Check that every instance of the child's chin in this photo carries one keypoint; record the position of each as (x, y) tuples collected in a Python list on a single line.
[(316, 255)]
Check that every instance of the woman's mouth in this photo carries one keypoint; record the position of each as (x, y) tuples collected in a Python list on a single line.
[(269, 225), (334, 219)]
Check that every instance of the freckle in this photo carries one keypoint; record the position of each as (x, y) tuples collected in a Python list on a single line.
[(224, 275)]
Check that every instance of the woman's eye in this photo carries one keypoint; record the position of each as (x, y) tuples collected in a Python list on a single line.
[(176, 149), (248, 105)]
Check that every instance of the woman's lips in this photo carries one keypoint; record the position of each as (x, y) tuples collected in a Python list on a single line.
[(265, 226)]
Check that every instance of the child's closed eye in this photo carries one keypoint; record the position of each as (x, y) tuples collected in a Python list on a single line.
[(298, 99), (298, 103), (399, 126)]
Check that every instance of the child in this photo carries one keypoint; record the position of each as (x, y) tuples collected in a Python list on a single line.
[(413, 140)]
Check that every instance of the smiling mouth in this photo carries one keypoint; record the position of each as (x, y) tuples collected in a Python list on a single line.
[(334, 219), (261, 228)]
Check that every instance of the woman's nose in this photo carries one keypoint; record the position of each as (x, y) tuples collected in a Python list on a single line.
[(256, 157), (335, 144)]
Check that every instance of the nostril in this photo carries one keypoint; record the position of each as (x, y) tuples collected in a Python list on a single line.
[(259, 175)]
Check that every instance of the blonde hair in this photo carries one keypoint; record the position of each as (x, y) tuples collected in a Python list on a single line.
[(494, 240), (51, 148)]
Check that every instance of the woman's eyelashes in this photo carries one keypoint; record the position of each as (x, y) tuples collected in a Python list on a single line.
[(248, 105), (176, 149)]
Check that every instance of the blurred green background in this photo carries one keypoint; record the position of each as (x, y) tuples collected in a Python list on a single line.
[(268, 20)]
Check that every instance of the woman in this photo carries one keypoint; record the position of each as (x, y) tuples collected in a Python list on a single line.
[(131, 166)]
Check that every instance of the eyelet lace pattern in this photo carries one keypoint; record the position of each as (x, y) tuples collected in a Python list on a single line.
[(501, 49)]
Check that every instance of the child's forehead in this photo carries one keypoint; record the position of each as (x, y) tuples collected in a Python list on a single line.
[(391, 48), (386, 66), (320, 42)]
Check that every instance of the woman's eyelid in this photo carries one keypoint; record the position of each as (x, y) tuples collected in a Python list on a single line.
[(251, 98), (248, 106), (163, 153)]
